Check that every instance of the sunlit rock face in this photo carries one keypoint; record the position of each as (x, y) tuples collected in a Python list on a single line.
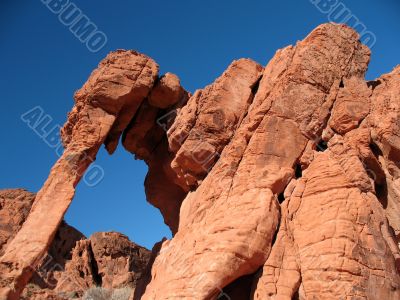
[(299, 166), (278, 182)]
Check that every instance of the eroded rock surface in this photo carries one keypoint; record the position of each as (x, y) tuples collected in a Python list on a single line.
[(107, 259), (278, 182), (207, 123), (337, 238), (73, 263), (231, 218), (104, 106), (385, 133), (15, 205), (334, 240)]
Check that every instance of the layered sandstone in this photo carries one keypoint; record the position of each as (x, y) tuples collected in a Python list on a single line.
[(278, 182)]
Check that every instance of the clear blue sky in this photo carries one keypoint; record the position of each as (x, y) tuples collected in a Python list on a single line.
[(43, 63)]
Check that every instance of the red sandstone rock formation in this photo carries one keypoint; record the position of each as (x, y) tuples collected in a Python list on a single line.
[(280, 182), (104, 107), (14, 208), (73, 263)]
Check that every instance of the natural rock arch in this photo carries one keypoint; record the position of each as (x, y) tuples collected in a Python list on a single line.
[(219, 159)]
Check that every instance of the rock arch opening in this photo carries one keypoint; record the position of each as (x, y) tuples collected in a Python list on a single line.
[(118, 202)]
